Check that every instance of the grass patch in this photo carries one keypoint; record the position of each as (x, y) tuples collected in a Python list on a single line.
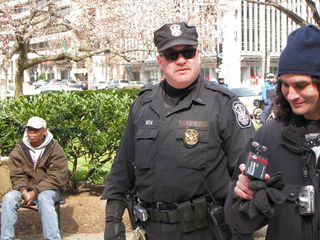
[(83, 168)]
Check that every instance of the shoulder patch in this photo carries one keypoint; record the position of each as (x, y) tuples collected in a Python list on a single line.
[(242, 116)]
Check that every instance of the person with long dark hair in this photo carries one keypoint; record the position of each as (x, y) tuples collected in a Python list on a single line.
[(277, 183)]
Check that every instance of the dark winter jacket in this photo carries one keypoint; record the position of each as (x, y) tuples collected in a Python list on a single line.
[(288, 153)]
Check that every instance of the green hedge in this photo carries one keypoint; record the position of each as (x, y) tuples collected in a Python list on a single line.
[(87, 124)]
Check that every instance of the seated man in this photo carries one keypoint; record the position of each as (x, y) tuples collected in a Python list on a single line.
[(38, 172)]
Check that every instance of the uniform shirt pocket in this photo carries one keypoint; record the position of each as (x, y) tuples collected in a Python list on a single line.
[(145, 146), (192, 156)]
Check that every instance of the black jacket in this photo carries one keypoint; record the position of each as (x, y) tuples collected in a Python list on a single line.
[(153, 158), (288, 154)]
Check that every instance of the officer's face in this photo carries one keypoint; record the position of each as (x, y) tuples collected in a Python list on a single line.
[(302, 94), (180, 72)]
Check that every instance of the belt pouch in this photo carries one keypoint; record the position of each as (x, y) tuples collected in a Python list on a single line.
[(186, 216), (200, 213)]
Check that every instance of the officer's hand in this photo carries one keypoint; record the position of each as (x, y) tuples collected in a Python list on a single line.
[(115, 229), (242, 189)]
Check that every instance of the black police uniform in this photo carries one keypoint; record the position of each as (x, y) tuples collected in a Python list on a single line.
[(289, 153), (164, 164)]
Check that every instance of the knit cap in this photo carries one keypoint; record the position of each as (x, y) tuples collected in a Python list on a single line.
[(302, 53)]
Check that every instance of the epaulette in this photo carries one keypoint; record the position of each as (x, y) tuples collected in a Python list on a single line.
[(145, 89), (216, 87)]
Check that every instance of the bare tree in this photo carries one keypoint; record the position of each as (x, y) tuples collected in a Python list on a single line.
[(36, 33), (291, 14)]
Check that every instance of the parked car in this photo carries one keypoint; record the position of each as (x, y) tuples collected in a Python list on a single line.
[(39, 83), (118, 84), (101, 85), (246, 95), (124, 83), (10, 93), (57, 88), (112, 84), (138, 84), (54, 81), (81, 84), (67, 82)]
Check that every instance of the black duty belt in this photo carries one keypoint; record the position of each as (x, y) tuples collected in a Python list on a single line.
[(163, 216), (176, 212), (160, 205), (162, 212)]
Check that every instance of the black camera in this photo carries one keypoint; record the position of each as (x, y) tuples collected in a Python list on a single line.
[(306, 200), (256, 165)]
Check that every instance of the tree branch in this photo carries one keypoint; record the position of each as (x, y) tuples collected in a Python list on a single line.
[(63, 56), (293, 16), (314, 11)]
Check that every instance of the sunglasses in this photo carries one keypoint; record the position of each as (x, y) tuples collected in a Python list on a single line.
[(173, 55)]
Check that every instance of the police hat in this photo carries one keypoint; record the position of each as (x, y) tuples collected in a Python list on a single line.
[(173, 34)]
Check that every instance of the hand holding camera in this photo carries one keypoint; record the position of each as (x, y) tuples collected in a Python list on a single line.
[(258, 192), (254, 169), (256, 164)]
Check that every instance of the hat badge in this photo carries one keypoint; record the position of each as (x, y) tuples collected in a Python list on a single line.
[(175, 30)]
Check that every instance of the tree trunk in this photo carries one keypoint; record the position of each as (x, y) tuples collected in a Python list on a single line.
[(4, 79), (89, 72), (19, 81), (3, 87)]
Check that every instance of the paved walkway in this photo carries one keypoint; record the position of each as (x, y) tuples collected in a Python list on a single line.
[(259, 235), (77, 236), (91, 236)]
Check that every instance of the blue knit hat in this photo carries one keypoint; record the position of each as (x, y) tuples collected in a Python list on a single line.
[(302, 53)]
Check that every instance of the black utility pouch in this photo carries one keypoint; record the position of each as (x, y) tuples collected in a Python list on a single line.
[(186, 216), (200, 212)]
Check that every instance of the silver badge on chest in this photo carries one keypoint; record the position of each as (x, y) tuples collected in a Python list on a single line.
[(191, 137)]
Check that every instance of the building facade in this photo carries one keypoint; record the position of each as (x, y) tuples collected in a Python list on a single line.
[(260, 37), (246, 45)]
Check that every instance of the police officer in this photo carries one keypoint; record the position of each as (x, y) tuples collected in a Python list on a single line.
[(291, 143), (181, 133), (268, 91)]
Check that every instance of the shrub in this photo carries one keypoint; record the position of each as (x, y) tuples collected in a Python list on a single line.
[(87, 124)]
